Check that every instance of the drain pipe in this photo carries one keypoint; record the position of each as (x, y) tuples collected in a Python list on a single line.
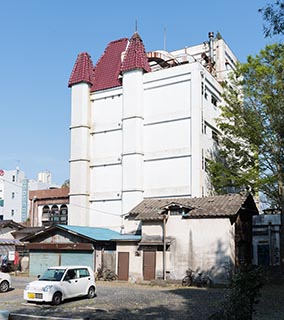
[(164, 244)]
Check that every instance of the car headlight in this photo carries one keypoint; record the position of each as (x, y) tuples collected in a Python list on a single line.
[(27, 287), (47, 288)]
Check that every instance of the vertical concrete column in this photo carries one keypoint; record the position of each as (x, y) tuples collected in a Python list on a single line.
[(132, 145), (79, 155), (196, 132)]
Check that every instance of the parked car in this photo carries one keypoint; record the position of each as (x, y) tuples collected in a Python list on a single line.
[(5, 282), (60, 283)]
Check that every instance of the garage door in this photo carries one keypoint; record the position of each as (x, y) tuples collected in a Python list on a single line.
[(77, 258), (40, 261)]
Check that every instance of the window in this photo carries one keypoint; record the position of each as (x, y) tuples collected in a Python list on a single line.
[(206, 164), (83, 273), (215, 136), (57, 215), (13, 195), (63, 214), (12, 212), (13, 178), (214, 100), (1, 217), (54, 214), (45, 216)]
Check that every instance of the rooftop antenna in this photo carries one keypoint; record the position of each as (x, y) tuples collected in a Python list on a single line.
[(165, 37)]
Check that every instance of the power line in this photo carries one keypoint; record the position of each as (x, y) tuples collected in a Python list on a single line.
[(91, 209)]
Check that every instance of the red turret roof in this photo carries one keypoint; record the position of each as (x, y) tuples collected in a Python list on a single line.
[(82, 70), (106, 73), (135, 57), (107, 69)]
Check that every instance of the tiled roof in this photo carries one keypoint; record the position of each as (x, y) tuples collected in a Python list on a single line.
[(49, 193), (82, 70), (107, 69), (218, 206), (11, 223), (135, 56)]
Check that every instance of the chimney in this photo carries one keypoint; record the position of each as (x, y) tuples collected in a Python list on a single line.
[(211, 55)]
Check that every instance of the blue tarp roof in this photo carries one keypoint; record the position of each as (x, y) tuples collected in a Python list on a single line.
[(101, 234)]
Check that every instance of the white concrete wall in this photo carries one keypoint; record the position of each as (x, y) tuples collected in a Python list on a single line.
[(79, 155), (144, 139), (201, 244)]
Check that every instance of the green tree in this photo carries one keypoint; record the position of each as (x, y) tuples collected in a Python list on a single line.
[(273, 15), (252, 148), (244, 294), (66, 184)]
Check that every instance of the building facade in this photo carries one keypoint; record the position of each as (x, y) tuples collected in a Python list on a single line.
[(14, 193), (49, 207), (142, 126), (266, 238)]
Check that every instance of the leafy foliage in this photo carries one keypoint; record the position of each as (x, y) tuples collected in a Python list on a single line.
[(244, 293), (273, 14), (66, 184), (252, 147)]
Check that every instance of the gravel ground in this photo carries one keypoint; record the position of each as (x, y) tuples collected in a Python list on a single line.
[(271, 306), (120, 300)]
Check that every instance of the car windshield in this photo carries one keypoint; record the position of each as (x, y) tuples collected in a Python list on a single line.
[(52, 275)]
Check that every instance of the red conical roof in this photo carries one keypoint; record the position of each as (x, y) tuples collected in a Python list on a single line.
[(82, 70), (135, 56)]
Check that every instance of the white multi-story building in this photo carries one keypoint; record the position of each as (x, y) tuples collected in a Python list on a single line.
[(142, 126), (11, 193), (14, 193)]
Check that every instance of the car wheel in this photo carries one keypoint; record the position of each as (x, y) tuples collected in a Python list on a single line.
[(91, 292), (57, 298), (4, 286)]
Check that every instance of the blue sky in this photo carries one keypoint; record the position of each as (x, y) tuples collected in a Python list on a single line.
[(40, 41)]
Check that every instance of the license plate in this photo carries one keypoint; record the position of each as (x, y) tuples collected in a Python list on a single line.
[(31, 295)]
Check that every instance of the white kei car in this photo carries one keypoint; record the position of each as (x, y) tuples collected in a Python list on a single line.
[(5, 282), (60, 283)]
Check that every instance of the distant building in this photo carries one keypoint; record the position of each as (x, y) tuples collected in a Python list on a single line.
[(14, 193), (143, 126), (266, 238), (49, 207)]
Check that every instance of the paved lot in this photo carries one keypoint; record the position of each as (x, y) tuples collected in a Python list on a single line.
[(117, 300)]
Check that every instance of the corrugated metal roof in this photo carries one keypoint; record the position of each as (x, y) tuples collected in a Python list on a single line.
[(217, 206), (10, 242), (100, 234)]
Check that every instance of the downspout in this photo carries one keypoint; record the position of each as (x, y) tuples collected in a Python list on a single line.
[(165, 216), (33, 211), (270, 244)]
